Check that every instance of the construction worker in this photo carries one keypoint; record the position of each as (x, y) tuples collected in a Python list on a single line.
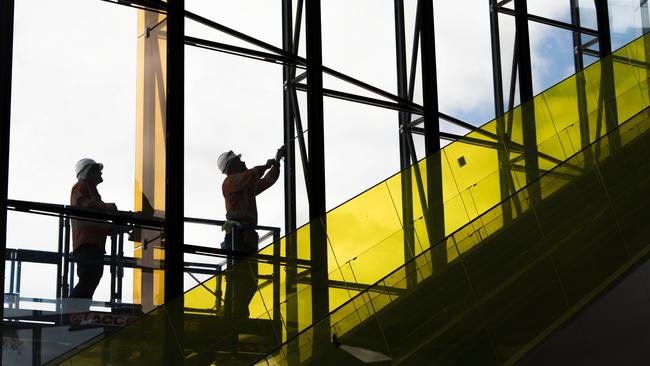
[(240, 188), (88, 237)]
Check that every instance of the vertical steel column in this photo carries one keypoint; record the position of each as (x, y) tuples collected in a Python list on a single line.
[(404, 156), (59, 266), (277, 311), (120, 268), (607, 85), (526, 95), (645, 24), (435, 211), (497, 83), (113, 269), (67, 270), (578, 62), (409, 137), (289, 127), (174, 173), (497, 76), (37, 345), (645, 17), (6, 58), (604, 35), (318, 228), (290, 181)]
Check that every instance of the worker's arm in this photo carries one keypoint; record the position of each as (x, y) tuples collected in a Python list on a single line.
[(241, 181), (270, 178)]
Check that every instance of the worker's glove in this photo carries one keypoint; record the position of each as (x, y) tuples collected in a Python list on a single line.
[(230, 224), (282, 152)]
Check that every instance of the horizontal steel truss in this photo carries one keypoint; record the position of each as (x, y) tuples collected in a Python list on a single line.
[(279, 56)]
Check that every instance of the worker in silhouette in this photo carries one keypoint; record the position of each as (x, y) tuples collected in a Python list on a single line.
[(88, 237), (240, 188)]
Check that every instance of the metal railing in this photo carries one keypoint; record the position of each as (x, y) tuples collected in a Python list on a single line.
[(115, 259)]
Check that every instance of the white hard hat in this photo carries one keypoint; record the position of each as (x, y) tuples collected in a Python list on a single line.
[(224, 160), (86, 163)]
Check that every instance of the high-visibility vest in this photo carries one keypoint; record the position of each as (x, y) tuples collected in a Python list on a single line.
[(240, 189), (83, 231)]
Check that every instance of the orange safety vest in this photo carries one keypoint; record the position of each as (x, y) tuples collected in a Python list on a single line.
[(240, 189), (83, 231)]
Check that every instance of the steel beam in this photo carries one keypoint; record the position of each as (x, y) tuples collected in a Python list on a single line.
[(645, 24), (645, 16), (6, 60), (301, 141), (578, 62), (369, 87), (526, 95), (406, 181), (174, 174), (297, 28), (497, 77), (317, 205), (295, 58), (497, 83), (435, 211), (240, 51), (363, 100), (290, 222), (607, 86), (552, 22), (289, 127), (244, 37), (414, 53)]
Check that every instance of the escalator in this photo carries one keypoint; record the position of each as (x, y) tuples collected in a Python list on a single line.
[(515, 287), (513, 269)]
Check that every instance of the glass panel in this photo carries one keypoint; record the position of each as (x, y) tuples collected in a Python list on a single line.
[(515, 279)]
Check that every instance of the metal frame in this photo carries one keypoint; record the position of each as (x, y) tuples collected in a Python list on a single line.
[(6, 59), (174, 174), (290, 221), (312, 156)]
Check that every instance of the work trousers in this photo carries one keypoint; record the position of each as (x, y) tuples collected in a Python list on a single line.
[(241, 278), (90, 268)]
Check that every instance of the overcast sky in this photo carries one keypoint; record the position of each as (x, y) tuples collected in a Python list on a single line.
[(74, 97)]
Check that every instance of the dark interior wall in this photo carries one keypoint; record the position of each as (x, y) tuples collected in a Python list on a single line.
[(613, 330)]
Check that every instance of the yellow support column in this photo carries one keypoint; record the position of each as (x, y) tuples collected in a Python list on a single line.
[(148, 284)]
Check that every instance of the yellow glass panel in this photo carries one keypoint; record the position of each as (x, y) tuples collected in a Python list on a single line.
[(630, 103), (544, 125), (486, 193), (469, 163), (364, 269), (562, 103), (513, 125), (360, 224), (553, 152), (457, 213)]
